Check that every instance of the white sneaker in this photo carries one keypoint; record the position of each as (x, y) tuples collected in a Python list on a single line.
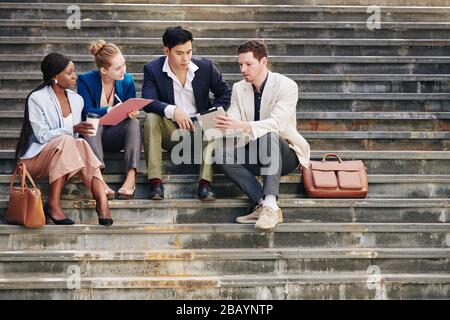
[(252, 217), (269, 218)]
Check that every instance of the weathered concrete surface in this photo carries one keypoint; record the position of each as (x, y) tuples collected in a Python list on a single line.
[(376, 95)]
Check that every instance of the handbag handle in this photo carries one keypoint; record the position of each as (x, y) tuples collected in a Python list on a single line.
[(24, 174), (331, 155)]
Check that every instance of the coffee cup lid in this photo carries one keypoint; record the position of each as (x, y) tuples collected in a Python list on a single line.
[(92, 115)]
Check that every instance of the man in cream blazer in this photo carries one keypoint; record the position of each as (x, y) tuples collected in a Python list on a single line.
[(263, 106)]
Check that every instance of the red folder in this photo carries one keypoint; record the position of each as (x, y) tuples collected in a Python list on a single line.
[(121, 110)]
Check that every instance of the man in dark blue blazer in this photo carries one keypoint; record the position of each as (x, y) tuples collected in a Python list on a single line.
[(179, 86)]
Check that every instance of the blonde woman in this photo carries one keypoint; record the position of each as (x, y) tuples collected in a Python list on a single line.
[(102, 89)]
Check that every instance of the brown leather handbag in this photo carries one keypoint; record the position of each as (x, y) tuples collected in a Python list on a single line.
[(25, 204), (335, 179)]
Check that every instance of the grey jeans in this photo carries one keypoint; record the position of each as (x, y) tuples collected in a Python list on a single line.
[(125, 135), (269, 156)]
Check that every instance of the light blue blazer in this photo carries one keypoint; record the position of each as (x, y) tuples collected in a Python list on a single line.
[(46, 118)]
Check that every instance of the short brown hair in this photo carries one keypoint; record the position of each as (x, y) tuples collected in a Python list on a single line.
[(103, 52), (259, 49)]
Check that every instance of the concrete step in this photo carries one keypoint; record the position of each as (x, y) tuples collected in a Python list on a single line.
[(227, 12), (184, 186), (186, 249), (299, 78), (312, 286), (372, 124), (225, 236), (357, 102), (245, 29), (210, 262), (371, 83), (313, 102), (427, 3), (282, 64), (427, 97), (351, 135), (202, 46), (299, 210), (349, 140), (325, 102), (386, 106), (367, 121), (324, 121), (377, 162)]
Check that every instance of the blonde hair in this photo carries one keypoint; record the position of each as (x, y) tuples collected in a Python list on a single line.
[(103, 52)]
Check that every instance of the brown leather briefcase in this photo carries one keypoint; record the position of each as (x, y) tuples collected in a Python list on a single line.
[(25, 204), (335, 179)]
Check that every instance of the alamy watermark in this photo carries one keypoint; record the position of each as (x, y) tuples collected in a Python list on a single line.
[(73, 22), (73, 281), (193, 148), (374, 20), (375, 282)]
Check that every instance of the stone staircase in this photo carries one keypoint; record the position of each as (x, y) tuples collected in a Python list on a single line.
[(381, 96)]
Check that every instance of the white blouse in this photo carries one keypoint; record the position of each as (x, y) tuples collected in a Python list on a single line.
[(68, 122)]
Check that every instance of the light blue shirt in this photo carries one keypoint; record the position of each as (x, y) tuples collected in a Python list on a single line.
[(46, 118)]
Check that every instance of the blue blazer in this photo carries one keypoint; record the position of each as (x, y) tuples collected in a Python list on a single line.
[(157, 85), (89, 86)]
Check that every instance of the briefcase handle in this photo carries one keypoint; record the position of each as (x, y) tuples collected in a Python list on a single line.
[(331, 155), (24, 174)]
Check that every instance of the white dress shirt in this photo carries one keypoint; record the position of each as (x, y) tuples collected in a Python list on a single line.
[(184, 96)]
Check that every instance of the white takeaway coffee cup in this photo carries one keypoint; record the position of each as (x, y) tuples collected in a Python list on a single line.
[(94, 119)]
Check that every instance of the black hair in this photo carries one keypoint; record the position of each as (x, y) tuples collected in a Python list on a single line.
[(52, 65), (174, 36)]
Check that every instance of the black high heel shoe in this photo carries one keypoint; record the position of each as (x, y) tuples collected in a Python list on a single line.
[(62, 222), (104, 221)]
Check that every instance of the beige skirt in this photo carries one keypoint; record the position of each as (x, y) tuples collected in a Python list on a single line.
[(65, 156)]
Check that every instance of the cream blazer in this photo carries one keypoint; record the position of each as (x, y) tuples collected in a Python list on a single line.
[(277, 114)]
